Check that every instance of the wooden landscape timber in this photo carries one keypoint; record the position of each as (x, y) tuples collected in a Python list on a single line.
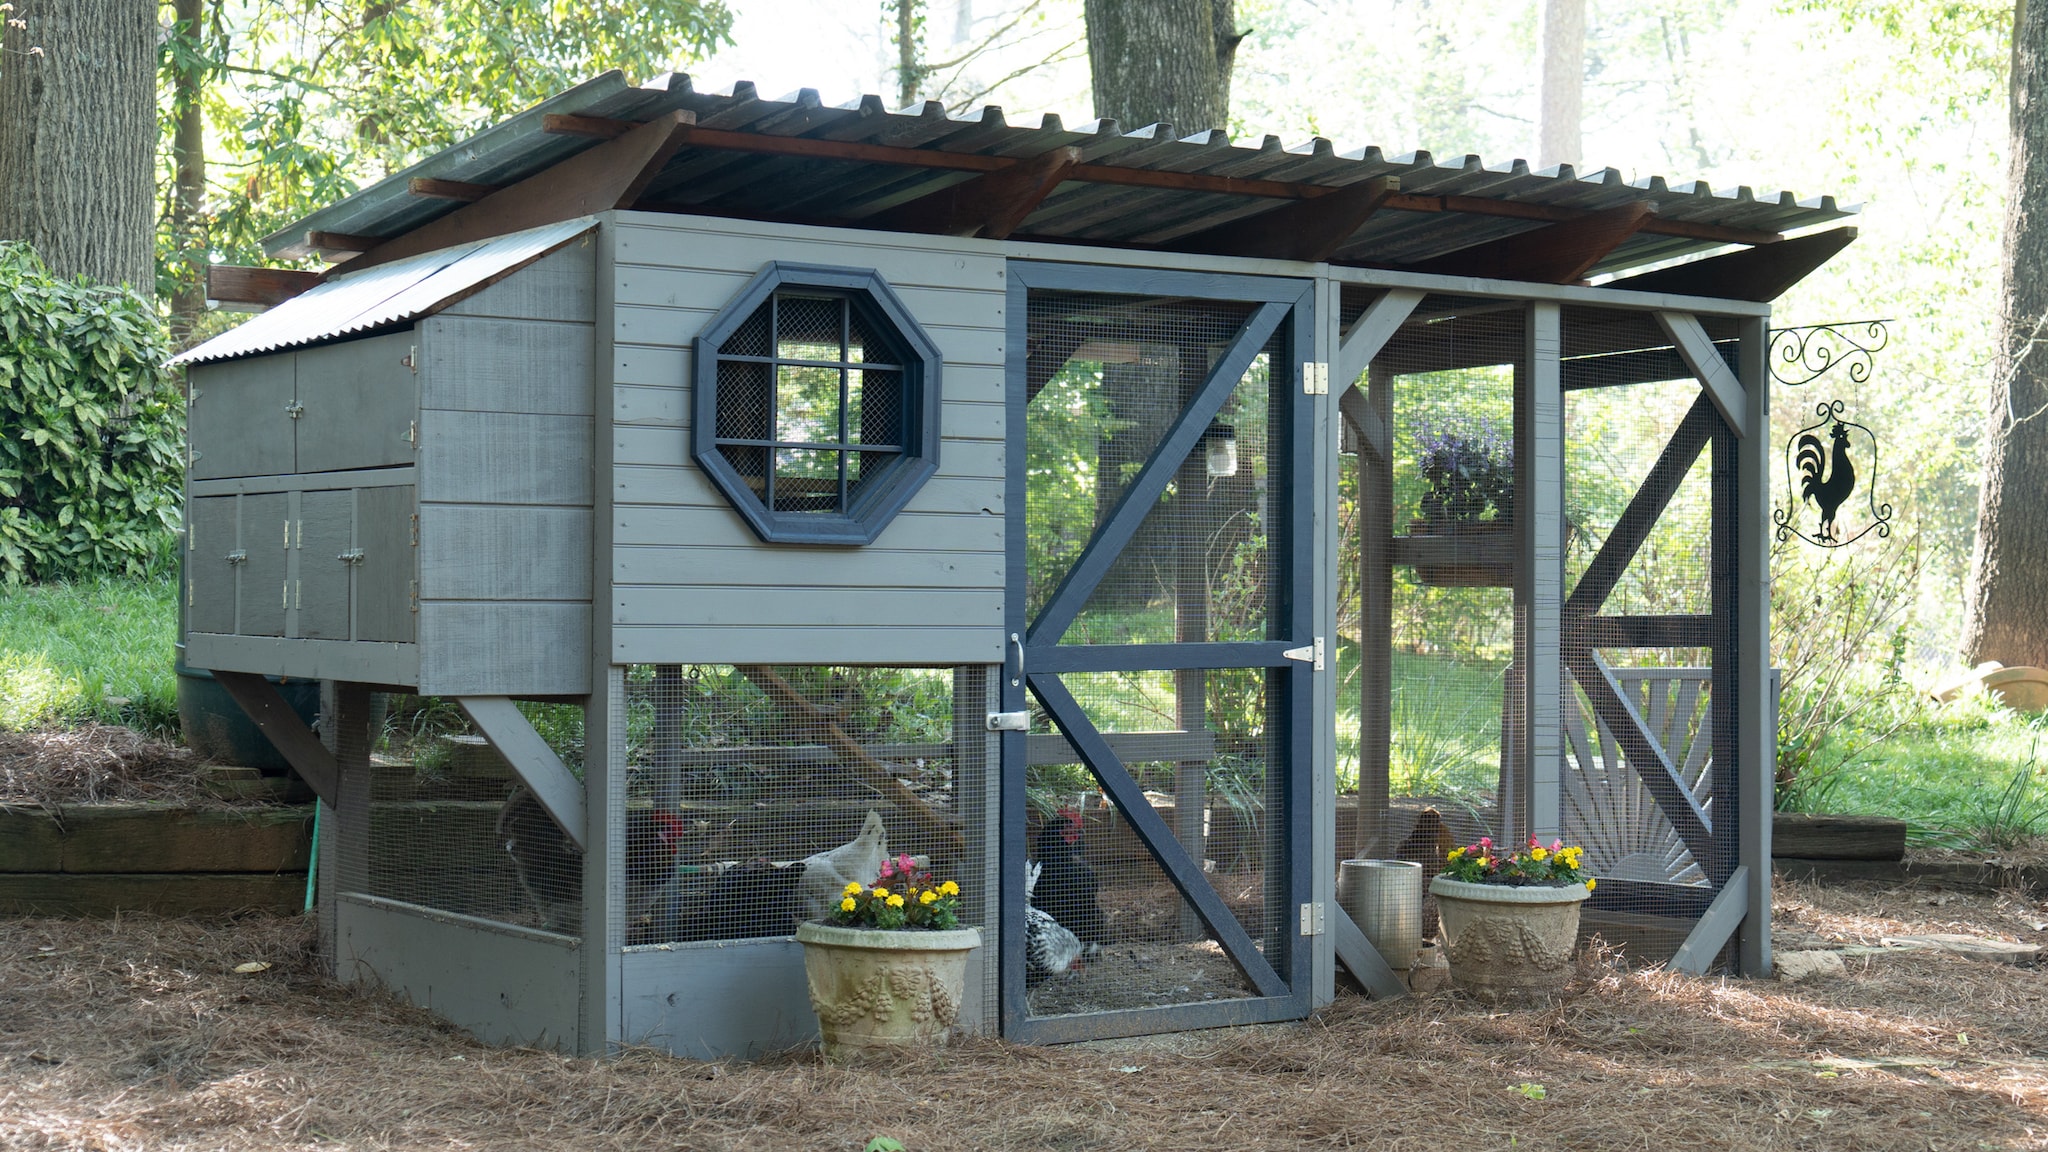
[(99, 859)]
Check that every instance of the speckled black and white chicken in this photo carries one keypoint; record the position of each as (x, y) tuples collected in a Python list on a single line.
[(1050, 949)]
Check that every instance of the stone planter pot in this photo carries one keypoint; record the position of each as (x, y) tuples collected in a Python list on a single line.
[(876, 991), (1506, 944)]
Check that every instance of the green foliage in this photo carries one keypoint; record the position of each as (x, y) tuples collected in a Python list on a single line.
[(90, 428), (306, 101), (95, 650)]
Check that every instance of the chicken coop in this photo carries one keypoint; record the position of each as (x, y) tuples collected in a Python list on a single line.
[(1132, 527)]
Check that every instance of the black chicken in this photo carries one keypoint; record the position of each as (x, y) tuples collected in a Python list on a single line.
[(549, 864), (1049, 949), (1066, 888), (1826, 486)]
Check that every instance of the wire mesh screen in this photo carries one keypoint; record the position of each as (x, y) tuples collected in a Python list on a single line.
[(1205, 750), (1199, 567), (755, 794), (450, 827)]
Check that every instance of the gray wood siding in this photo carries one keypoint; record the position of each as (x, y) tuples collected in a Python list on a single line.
[(237, 424), (495, 552), (504, 648), (558, 286), (690, 580), (535, 366)]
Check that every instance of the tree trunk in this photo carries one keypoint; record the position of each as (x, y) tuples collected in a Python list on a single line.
[(1162, 61), (909, 69), (78, 137), (2007, 616), (188, 155), (1564, 76)]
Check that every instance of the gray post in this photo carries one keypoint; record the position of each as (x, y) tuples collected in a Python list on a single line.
[(1375, 625), (1539, 571), (1757, 712)]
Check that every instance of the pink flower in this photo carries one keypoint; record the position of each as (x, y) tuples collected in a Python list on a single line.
[(905, 864), (1556, 845), (888, 870), (1486, 841)]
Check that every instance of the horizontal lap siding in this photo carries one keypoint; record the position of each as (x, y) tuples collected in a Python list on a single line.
[(691, 582), (506, 476)]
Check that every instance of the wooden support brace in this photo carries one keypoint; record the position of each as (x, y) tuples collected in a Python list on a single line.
[(991, 205), (1560, 253), (1366, 964), (1652, 765), (1607, 565), (301, 749), (611, 175), (1365, 422), (1308, 230), (557, 788), (432, 189), (1697, 348), (1370, 333), (1761, 274), (1711, 934), (233, 284)]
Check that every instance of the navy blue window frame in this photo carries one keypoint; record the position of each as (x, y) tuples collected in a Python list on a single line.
[(856, 518), (1281, 977)]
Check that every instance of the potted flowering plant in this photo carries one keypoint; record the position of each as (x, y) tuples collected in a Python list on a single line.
[(887, 966), (1511, 917), (1468, 491)]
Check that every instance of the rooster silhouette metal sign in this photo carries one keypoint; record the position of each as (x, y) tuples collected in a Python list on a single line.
[(1822, 475)]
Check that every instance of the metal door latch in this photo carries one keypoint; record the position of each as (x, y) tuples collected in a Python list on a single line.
[(1009, 721), (238, 556), (1308, 654), (352, 556), (1312, 918), (295, 409)]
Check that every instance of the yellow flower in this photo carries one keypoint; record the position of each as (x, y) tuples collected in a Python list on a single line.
[(1539, 854), (1455, 853), (880, 891), (949, 889), (929, 897), (1589, 883), (852, 889), (847, 905), (895, 901)]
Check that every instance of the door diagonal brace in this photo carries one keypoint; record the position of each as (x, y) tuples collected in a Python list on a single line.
[(1181, 868), (1144, 491), (1607, 566)]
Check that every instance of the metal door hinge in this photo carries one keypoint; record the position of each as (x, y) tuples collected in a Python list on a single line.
[(352, 556), (1009, 721), (415, 529), (295, 409), (284, 596), (1312, 918), (238, 556), (1308, 654), (287, 535), (412, 433), (413, 596), (1315, 378)]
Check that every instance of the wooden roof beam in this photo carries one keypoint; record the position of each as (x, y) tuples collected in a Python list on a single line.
[(432, 189), (238, 288), (1759, 274), (1300, 230), (991, 205), (611, 175), (1560, 253)]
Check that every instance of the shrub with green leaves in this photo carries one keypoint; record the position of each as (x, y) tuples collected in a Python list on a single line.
[(90, 427)]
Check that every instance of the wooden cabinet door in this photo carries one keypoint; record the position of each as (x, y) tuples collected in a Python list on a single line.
[(324, 541), (240, 421), (212, 563), (360, 402), (384, 581), (265, 534)]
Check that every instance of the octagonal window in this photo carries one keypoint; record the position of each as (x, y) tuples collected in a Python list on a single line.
[(816, 408)]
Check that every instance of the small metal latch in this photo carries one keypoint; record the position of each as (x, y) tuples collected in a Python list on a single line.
[(196, 454), (295, 409), (412, 359), (1312, 918), (1315, 378), (412, 432), (1009, 721), (239, 556), (1308, 654), (352, 556)]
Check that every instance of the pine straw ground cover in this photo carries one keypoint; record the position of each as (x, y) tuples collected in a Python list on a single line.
[(96, 763), (138, 1033)]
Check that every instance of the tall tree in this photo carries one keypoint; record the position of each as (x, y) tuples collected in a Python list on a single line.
[(2007, 614), (187, 61), (78, 137), (1563, 40), (1162, 61)]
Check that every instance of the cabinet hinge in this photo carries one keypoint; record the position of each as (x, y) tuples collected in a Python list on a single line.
[(191, 591), (413, 595), (1315, 378), (287, 535), (415, 529), (284, 596), (1312, 918), (1308, 654)]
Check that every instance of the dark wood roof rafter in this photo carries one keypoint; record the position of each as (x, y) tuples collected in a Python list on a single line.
[(1560, 253)]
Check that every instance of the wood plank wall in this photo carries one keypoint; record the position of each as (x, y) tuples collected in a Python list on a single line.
[(691, 582)]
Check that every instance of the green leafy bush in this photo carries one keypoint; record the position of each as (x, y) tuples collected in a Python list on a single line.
[(90, 427)]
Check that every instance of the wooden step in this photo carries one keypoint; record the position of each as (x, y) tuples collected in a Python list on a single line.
[(175, 894), (140, 838)]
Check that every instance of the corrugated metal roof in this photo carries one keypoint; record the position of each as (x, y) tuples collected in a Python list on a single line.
[(752, 185), (387, 294)]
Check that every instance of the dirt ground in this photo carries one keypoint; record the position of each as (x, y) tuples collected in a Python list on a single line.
[(139, 1033)]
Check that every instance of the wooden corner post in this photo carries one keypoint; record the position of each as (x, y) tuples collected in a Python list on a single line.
[(1539, 574), (1757, 737)]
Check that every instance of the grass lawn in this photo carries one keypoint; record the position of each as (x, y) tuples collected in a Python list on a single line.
[(1983, 785), (99, 650)]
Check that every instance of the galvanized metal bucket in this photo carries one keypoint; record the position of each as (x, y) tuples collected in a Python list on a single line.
[(1384, 898)]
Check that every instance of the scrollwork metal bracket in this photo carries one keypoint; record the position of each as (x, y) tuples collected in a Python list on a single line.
[(1802, 354)]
